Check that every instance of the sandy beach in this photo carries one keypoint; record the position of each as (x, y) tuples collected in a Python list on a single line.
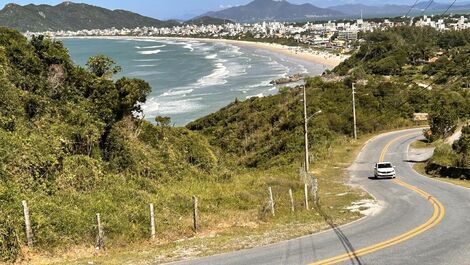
[(314, 56), (327, 59), (318, 57)]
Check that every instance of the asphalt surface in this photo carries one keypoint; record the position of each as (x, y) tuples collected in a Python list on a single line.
[(445, 240)]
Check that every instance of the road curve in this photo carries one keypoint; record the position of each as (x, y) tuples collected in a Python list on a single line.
[(423, 221)]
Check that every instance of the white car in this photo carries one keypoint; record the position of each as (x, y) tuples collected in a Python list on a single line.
[(384, 170)]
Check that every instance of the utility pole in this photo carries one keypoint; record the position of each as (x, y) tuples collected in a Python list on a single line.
[(306, 160), (354, 109)]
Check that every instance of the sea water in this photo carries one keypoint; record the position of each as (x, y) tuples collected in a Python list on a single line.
[(191, 79)]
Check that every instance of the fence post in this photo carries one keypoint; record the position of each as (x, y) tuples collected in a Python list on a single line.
[(306, 195), (291, 200), (27, 223), (100, 238), (271, 200), (152, 221), (195, 214)]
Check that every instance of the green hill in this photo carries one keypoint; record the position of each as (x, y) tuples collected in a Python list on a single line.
[(206, 20), (71, 147), (72, 16)]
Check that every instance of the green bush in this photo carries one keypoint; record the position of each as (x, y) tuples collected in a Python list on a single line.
[(9, 242)]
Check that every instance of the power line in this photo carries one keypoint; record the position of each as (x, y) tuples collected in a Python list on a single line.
[(429, 4), (411, 8), (451, 5), (419, 93)]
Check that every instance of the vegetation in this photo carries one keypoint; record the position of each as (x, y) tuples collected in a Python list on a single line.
[(393, 51), (71, 145), (266, 132), (206, 20), (439, 60), (72, 142), (455, 155), (72, 16)]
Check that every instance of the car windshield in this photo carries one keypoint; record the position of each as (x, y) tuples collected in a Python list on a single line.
[(386, 165)]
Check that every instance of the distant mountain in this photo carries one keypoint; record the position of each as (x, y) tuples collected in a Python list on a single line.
[(206, 20), (368, 11), (382, 10), (72, 16), (270, 10), (433, 5)]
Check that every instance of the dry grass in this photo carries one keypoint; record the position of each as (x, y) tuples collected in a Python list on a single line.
[(420, 144), (420, 168), (228, 227)]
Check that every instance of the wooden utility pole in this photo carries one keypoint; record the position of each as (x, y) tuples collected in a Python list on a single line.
[(27, 223), (271, 201), (291, 200), (354, 109), (306, 195), (152, 221), (195, 214), (100, 238), (306, 159)]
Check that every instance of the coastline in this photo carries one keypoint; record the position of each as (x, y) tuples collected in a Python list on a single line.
[(328, 60), (317, 57)]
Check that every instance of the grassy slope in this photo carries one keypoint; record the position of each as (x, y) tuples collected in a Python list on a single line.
[(420, 168), (233, 230)]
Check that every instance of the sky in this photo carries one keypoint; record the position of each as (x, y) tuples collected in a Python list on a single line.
[(185, 9)]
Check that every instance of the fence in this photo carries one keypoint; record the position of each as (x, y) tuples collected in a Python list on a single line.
[(309, 196)]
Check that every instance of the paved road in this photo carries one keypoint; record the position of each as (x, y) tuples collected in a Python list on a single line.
[(423, 221)]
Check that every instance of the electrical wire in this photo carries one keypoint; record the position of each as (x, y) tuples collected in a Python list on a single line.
[(430, 3), (411, 8), (451, 5)]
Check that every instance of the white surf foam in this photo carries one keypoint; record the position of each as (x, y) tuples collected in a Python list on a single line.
[(266, 83), (260, 95), (146, 65), (150, 47), (149, 52), (146, 60), (144, 73), (211, 56), (217, 77), (189, 46), (176, 92), (157, 106)]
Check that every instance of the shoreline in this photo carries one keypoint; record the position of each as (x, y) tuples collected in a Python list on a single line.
[(328, 60)]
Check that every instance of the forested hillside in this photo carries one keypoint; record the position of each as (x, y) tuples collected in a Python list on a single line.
[(71, 146), (398, 72), (439, 61), (72, 16)]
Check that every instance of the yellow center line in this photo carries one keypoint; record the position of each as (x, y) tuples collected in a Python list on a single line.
[(435, 219)]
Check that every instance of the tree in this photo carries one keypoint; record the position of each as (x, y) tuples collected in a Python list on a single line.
[(443, 120), (50, 51), (102, 66), (163, 121), (462, 147), (132, 92)]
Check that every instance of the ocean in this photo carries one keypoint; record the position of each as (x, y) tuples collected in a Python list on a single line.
[(191, 79)]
